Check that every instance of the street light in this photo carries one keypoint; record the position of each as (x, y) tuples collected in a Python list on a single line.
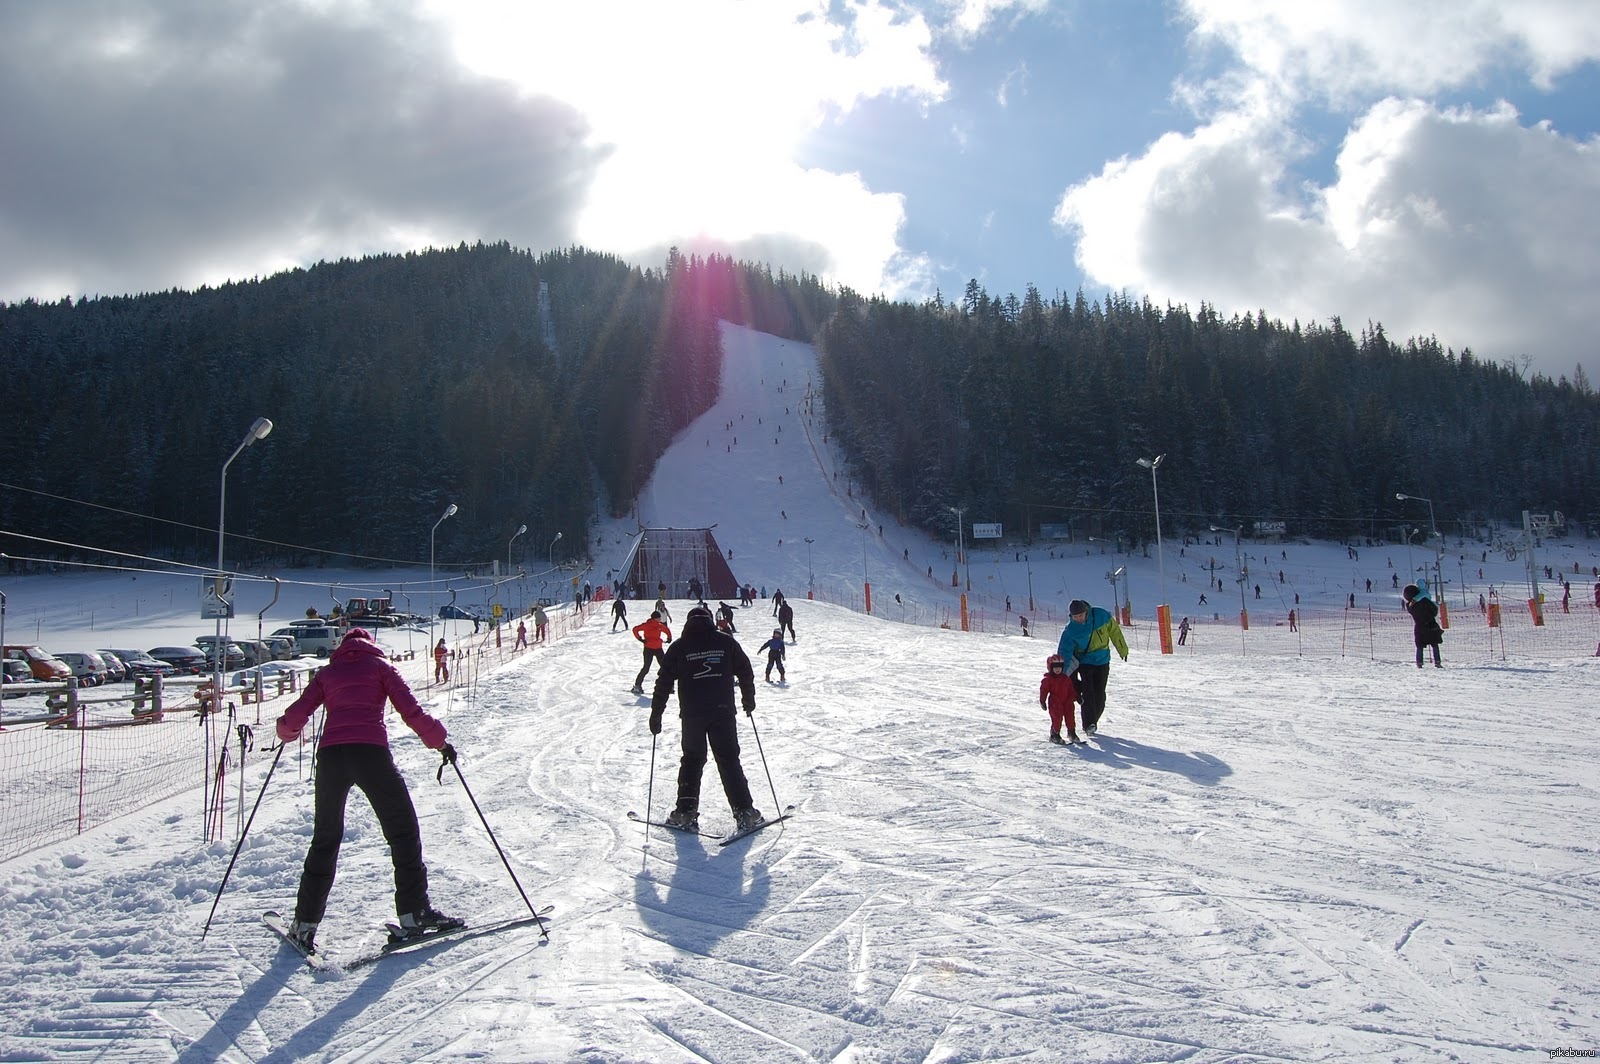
[(1238, 565), (520, 530), (1163, 611), (1433, 528), (552, 551), (433, 609), (811, 575), (259, 429)]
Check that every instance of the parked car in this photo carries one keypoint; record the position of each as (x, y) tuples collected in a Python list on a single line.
[(256, 652), (449, 612), (141, 664), (233, 655), (43, 665), (283, 647), (87, 666), (312, 639), (17, 671), (183, 659), (116, 669)]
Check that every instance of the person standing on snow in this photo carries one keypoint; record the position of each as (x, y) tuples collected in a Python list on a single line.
[(786, 619), (774, 649), (661, 608), (522, 635), (1087, 640), (619, 614), (1424, 622), (725, 613), (704, 664), (541, 624), (1057, 693), (654, 635), (778, 600), (354, 752), (441, 662)]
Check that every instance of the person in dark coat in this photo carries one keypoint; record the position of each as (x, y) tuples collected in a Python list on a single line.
[(704, 665), (786, 619), (356, 686), (1424, 621)]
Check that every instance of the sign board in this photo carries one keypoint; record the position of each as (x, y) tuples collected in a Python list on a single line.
[(1055, 531), (986, 530), (1270, 528), (216, 599)]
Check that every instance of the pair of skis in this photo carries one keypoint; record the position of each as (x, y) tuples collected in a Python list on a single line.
[(722, 840), (399, 940)]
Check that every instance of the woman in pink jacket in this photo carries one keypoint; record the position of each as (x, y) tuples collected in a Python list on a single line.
[(354, 752)]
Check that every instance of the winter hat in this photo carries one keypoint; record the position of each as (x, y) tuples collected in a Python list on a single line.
[(358, 633), (1078, 606), (1409, 592), (701, 613)]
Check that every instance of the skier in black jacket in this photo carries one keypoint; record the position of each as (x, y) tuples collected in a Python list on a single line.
[(704, 664)]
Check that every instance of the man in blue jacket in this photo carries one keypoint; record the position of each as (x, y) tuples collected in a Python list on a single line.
[(1087, 641)]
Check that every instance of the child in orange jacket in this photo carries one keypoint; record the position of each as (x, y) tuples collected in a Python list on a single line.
[(1057, 693)]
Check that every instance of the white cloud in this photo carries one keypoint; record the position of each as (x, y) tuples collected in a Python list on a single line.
[(1460, 223), (700, 108)]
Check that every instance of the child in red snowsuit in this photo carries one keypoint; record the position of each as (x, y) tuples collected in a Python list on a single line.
[(1057, 693)]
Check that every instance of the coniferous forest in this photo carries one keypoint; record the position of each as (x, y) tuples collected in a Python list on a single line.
[(532, 389)]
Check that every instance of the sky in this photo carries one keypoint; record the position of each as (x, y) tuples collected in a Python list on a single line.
[(1430, 166), (1272, 850)]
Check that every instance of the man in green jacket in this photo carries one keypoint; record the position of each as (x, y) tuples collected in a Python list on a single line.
[(1087, 641)]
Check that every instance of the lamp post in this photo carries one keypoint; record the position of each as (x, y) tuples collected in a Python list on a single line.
[(1163, 611), (1433, 531), (259, 429), (1238, 567), (433, 609), (811, 574), (520, 530), (552, 551)]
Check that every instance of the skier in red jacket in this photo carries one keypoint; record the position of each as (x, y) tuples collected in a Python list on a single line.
[(1057, 693), (655, 636)]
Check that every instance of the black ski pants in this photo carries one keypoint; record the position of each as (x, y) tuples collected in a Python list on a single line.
[(371, 768), (1092, 687), (650, 654), (718, 729)]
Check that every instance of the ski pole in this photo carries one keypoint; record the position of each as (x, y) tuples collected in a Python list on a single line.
[(451, 761), (754, 731), (242, 836), (650, 790)]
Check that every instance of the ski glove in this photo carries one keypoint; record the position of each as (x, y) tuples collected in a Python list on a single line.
[(286, 733), (448, 752), (655, 722), (750, 709)]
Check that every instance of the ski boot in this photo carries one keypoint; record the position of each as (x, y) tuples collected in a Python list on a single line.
[(683, 820), (1055, 737), (745, 819), (427, 920)]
